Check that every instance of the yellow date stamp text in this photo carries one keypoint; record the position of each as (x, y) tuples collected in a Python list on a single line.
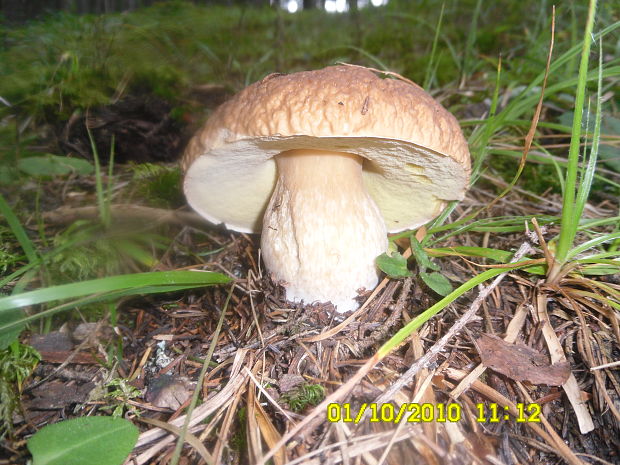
[(413, 412)]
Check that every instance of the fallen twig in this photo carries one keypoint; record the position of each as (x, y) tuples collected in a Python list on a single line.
[(127, 213)]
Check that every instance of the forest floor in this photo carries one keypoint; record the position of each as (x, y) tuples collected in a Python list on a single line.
[(273, 360)]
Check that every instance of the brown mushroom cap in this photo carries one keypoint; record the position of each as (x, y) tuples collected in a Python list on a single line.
[(416, 158)]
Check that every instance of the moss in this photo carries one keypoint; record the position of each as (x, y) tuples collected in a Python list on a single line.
[(158, 185), (303, 396)]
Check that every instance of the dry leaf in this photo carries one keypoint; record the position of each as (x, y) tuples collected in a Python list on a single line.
[(520, 362), (167, 391)]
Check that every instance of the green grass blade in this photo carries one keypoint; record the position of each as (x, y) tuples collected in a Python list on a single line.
[(376, 60), (596, 222), (599, 268), (13, 324), (467, 251), (500, 256), (104, 289), (496, 225), (588, 171), (18, 230), (104, 212), (125, 282), (480, 144), (570, 219), (431, 62), (438, 223), (598, 256), (471, 41), (423, 317), (203, 371), (109, 186), (592, 243)]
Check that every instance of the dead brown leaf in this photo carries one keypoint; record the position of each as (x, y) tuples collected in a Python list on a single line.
[(167, 391), (520, 362)]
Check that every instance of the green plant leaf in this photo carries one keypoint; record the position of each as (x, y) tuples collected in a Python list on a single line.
[(600, 270), (576, 193), (421, 256), (87, 440), (437, 282), (52, 165), (395, 266)]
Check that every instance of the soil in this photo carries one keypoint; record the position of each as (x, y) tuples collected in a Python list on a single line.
[(142, 129)]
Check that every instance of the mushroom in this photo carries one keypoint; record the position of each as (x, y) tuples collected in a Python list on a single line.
[(325, 163)]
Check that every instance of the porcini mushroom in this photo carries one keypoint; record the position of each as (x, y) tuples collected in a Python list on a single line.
[(325, 163)]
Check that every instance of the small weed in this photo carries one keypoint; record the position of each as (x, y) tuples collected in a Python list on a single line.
[(8, 257), (120, 392), (395, 266), (16, 363)]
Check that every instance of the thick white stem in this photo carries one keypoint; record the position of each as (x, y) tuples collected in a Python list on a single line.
[(321, 230)]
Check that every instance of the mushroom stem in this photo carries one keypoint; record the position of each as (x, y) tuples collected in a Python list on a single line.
[(321, 230)]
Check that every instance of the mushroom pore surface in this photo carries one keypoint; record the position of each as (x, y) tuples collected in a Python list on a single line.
[(321, 229)]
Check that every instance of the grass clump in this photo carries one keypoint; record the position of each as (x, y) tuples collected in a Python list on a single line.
[(93, 253)]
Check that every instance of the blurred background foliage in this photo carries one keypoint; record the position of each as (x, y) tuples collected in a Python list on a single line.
[(120, 63)]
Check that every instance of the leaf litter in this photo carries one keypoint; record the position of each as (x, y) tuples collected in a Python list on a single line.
[(268, 347)]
